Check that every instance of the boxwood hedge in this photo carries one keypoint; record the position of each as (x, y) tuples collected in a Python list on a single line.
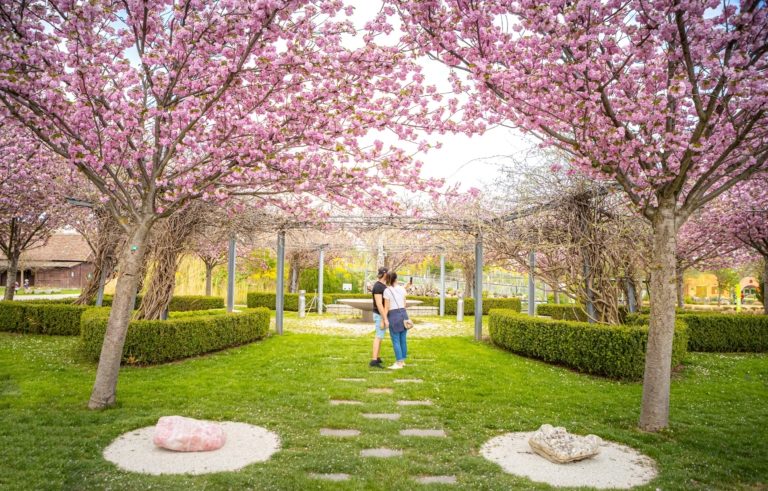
[(723, 333), (41, 318), (570, 312), (292, 302), (150, 342), (607, 350), (181, 303), (265, 299)]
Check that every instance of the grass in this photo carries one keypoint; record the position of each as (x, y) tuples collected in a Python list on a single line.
[(49, 440), (60, 291)]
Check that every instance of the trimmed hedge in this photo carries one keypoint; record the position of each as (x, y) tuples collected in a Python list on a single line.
[(571, 312), (181, 303), (599, 349), (151, 342), (564, 312), (41, 318), (50, 301), (723, 333), (727, 332), (268, 300), (292, 302)]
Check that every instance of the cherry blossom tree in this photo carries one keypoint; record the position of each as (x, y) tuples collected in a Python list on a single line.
[(704, 242), (667, 98), (162, 102), (31, 196), (744, 211)]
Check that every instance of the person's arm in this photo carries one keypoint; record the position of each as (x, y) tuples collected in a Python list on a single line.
[(379, 299), (385, 310)]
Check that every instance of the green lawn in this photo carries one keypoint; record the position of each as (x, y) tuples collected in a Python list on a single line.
[(21, 291), (48, 440)]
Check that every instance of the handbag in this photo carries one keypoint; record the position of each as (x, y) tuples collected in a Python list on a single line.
[(408, 323)]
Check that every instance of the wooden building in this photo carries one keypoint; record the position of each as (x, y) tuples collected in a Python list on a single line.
[(64, 262)]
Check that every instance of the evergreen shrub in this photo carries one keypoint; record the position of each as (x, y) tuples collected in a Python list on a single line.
[(151, 342), (40, 318), (723, 333), (615, 351), (180, 303)]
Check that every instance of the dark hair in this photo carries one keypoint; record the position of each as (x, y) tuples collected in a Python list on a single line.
[(382, 272), (391, 278)]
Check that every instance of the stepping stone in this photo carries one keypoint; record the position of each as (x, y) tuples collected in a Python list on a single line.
[(335, 432), (330, 477), (382, 453), (344, 402), (381, 390), (351, 379), (436, 480), (389, 416), (414, 403), (415, 432), (408, 381)]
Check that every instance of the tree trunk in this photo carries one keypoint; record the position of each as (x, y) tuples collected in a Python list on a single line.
[(162, 281), (654, 413), (294, 287), (130, 266), (765, 285), (106, 266), (469, 282), (679, 283), (208, 279), (10, 282)]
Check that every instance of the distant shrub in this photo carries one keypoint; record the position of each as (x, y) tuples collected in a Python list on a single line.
[(451, 303), (570, 312), (41, 318), (266, 299), (180, 303)]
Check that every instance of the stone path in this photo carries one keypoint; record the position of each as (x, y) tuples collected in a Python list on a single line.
[(375, 393)]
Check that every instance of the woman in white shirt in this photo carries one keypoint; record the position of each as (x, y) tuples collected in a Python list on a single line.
[(395, 317)]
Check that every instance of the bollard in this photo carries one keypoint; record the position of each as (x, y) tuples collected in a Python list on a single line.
[(302, 303), (460, 309)]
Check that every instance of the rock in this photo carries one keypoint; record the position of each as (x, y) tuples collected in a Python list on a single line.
[(188, 435), (560, 447)]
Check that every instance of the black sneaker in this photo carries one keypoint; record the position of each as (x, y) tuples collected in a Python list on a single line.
[(375, 363)]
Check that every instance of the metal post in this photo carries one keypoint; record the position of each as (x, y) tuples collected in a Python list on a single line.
[(531, 283), (631, 298), (302, 303), (320, 280), (478, 287), (442, 285), (231, 276), (460, 308), (588, 289), (100, 291), (279, 294)]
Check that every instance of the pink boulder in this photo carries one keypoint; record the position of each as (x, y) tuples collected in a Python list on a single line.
[(188, 435)]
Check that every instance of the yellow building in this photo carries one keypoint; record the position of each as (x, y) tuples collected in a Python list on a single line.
[(703, 286)]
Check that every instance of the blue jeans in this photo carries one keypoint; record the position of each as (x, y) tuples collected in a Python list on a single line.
[(399, 343)]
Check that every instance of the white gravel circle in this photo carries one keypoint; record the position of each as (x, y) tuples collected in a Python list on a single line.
[(616, 466), (246, 444)]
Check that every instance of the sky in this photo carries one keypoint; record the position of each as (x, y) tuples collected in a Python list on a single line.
[(470, 161)]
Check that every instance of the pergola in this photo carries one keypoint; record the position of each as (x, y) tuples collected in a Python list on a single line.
[(360, 222)]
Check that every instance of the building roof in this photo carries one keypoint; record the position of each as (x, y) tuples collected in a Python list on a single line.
[(61, 250)]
